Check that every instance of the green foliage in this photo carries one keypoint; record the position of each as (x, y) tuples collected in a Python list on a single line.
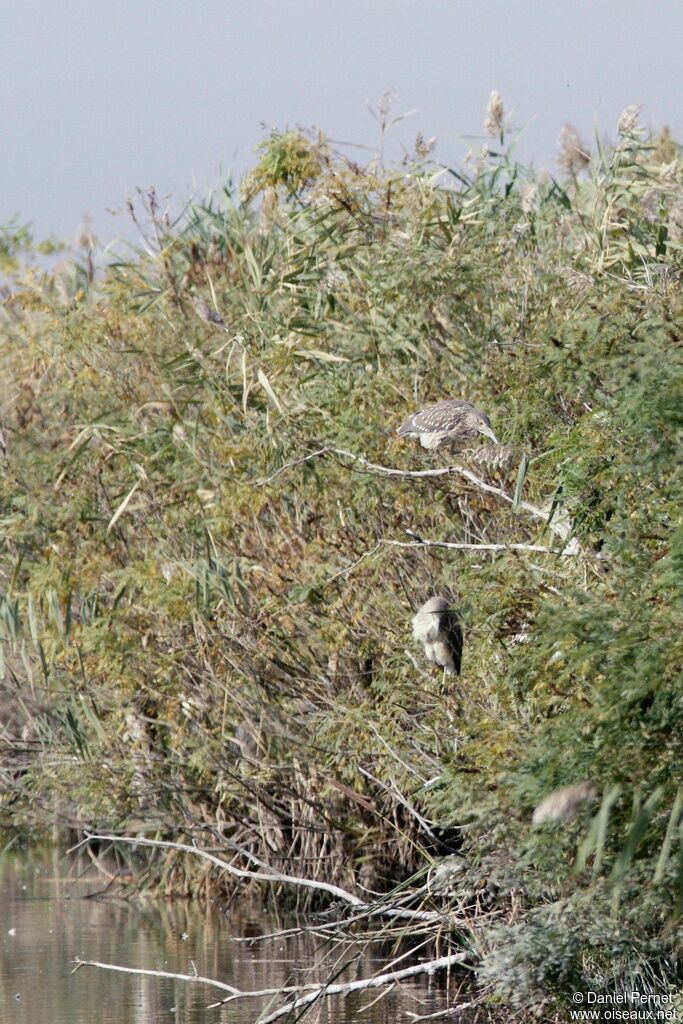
[(565, 948), (18, 247), (289, 160), (197, 631), (15, 240)]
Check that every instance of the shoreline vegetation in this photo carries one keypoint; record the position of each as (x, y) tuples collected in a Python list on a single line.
[(214, 544)]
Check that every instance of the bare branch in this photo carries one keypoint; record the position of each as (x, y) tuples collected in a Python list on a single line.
[(420, 542), (367, 910), (396, 793), (349, 568), (450, 1011), (313, 992), (235, 993), (267, 875), (571, 550), (559, 524), (291, 465), (431, 967)]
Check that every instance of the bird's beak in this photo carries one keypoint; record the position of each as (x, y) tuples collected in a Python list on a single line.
[(483, 429)]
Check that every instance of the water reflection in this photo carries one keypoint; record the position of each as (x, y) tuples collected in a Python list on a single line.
[(46, 923)]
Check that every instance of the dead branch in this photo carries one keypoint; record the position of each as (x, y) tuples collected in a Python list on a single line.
[(235, 993), (395, 792), (559, 524), (570, 550), (450, 1011), (349, 568), (421, 542), (363, 984), (292, 464), (368, 910), (313, 992), (266, 875)]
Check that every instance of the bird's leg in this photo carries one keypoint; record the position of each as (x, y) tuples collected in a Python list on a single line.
[(451, 716)]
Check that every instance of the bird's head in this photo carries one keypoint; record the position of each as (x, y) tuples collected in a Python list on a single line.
[(483, 425)]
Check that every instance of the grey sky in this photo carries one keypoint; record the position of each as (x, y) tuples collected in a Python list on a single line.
[(100, 97)]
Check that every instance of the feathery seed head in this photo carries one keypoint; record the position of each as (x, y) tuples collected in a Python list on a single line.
[(628, 121), (386, 102), (269, 208), (423, 147), (335, 276), (572, 154), (444, 872), (494, 122), (85, 238), (529, 197)]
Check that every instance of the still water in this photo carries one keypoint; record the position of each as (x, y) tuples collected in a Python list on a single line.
[(48, 919)]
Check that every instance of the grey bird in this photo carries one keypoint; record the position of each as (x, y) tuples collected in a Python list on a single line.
[(453, 422), (436, 625)]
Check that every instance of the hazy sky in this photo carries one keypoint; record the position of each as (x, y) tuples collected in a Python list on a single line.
[(101, 96)]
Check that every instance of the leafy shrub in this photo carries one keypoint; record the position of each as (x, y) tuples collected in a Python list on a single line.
[(207, 622)]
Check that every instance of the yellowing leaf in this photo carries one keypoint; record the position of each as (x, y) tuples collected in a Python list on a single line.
[(325, 357), (266, 385), (123, 506)]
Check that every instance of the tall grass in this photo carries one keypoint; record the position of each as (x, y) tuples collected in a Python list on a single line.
[(186, 644)]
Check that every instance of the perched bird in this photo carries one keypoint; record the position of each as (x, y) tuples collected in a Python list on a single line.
[(206, 313), (564, 804), (436, 626), (453, 422), (499, 463)]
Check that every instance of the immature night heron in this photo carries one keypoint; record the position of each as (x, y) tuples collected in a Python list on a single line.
[(436, 626), (453, 422), (564, 804)]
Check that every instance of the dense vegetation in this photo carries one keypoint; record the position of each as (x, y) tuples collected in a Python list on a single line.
[(192, 639)]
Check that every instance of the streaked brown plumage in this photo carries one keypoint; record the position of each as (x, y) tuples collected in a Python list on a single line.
[(452, 422)]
